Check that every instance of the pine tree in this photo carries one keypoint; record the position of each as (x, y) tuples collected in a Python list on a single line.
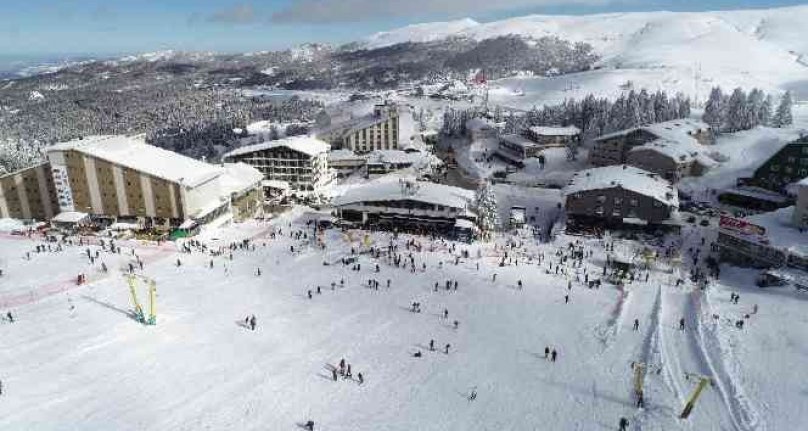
[(736, 111), (487, 210), (765, 113), (714, 111), (783, 116), (754, 103)]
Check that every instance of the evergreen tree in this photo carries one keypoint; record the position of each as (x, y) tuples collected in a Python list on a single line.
[(783, 116), (765, 113), (714, 111), (736, 111), (487, 210), (754, 103)]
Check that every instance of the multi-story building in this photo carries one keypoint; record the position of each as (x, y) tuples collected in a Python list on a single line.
[(787, 166), (300, 161), (800, 217), (123, 178), (673, 160), (407, 204), (621, 195), (553, 136), (613, 148), (515, 148), (28, 194), (377, 131)]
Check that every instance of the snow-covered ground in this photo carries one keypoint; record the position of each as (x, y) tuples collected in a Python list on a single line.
[(74, 359), (687, 51)]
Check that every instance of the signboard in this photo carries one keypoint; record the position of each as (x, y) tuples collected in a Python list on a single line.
[(62, 183), (740, 226)]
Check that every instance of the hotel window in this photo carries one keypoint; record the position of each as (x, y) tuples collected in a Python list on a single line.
[(633, 202)]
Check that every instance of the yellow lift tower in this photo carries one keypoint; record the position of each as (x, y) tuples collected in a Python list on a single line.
[(139, 316)]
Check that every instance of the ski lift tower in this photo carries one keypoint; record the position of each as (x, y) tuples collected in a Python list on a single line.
[(139, 316), (703, 381)]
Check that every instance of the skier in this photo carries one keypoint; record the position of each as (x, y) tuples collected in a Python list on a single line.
[(360, 378), (623, 424), (546, 352), (431, 345), (252, 322), (309, 293), (553, 355), (10, 317), (258, 271), (445, 313), (334, 374), (473, 395), (342, 366), (447, 348), (566, 299), (179, 263), (348, 374), (456, 323), (640, 400), (309, 425), (682, 324), (519, 283), (636, 324)]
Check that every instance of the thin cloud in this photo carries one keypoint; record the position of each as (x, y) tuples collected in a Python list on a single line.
[(238, 14), (325, 11)]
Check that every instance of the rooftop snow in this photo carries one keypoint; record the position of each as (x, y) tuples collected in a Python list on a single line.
[(387, 189), (239, 177), (134, 153), (518, 140), (627, 177), (684, 151), (304, 144), (781, 232), (555, 131), (674, 130)]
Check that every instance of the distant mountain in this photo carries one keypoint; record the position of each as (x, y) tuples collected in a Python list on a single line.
[(766, 48)]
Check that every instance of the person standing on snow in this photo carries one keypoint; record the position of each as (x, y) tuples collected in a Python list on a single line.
[(636, 324), (252, 322), (553, 355)]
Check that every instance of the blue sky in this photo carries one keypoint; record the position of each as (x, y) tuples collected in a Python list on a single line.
[(34, 28)]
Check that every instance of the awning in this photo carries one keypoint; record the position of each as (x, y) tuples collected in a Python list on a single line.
[(188, 224)]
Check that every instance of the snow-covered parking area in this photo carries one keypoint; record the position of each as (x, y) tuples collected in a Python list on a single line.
[(74, 359)]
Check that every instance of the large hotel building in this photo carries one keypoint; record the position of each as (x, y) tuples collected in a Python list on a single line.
[(121, 177)]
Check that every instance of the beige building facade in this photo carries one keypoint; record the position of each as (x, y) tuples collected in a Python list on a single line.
[(28, 194)]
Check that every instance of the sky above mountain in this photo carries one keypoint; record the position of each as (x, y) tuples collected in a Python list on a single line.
[(34, 28)]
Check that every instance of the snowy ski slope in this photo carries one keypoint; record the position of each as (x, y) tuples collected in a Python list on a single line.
[(74, 359)]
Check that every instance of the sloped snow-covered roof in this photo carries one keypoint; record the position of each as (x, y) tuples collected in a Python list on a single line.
[(386, 189), (70, 217), (685, 151), (673, 130), (239, 177), (627, 177), (555, 131), (781, 232), (344, 155), (303, 144), (519, 140), (134, 153)]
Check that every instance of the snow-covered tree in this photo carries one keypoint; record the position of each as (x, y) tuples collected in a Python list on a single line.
[(765, 113), (754, 103), (714, 111), (783, 116), (736, 111), (487, 210)]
